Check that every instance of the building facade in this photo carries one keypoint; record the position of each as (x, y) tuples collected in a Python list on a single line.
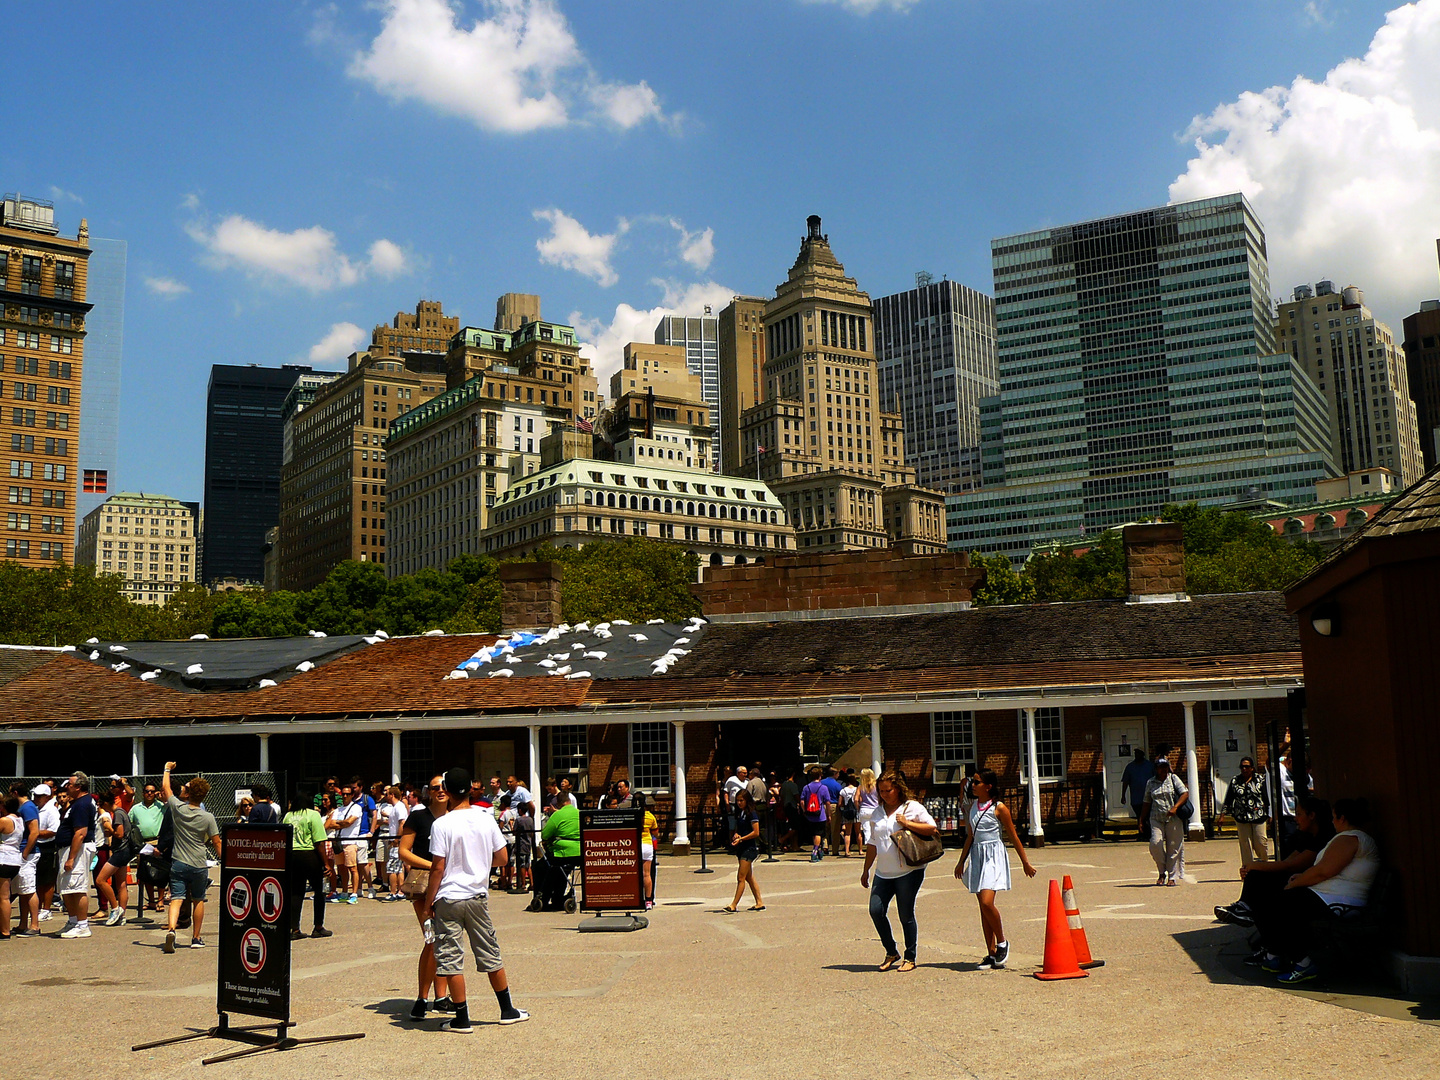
[(450, 460), (429, 329), (148, 540), (700, 338), (332, 491), (741, 338), (244, 442), (935, 353), (1136, 369), (301, 396), (1422, 367), (662, 368), (44, 316), (821, 438), (1361, 370), (100, 384), (514, 310)]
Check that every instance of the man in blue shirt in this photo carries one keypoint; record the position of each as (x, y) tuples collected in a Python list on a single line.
[(1136, 775), (814, 798), (75, 841), (24, 885), (832, 825)]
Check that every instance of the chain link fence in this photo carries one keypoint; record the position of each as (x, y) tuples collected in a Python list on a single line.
[(226, 788)]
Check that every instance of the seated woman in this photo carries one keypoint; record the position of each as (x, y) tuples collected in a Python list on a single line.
[(1339, 881), (1263, 882)]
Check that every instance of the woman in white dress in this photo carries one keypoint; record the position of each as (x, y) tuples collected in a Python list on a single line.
[(984, 864)]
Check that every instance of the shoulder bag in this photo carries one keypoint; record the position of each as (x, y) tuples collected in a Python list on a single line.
[(915, 849)]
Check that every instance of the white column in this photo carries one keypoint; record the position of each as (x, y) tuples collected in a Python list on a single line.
[(877, 756), (264, 752), (1192, 772), (137, 756), (535, 760), (1032, 773), (682, 803), (394, 757), (19, 757)]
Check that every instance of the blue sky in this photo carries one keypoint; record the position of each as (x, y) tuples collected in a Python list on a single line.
[(288, 175)]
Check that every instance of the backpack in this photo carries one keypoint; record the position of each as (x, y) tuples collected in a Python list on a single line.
[(812, 802)]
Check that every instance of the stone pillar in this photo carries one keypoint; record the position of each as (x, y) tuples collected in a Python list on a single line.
[(535, 754), (137, 756), (529, 596), (1032, 773), (877, 756), (1196, 830), (1155, 562), (264, 752), (19, 757), (681, 845), (394, 757)]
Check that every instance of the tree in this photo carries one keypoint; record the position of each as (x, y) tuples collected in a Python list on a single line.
[(1242, 567), (1002, 585), (1098, 574), (827, 737), (633, 579)]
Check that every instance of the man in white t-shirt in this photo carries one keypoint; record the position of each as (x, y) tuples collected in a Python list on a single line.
[(464, 844), (518, 795), (352, 842)]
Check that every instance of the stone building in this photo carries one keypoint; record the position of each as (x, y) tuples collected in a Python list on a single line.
[(149, 540), (741, 343)]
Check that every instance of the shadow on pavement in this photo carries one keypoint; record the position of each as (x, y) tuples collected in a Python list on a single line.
[(1219, 951)]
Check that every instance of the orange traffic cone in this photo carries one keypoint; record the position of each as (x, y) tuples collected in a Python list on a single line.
[(1060, 960), (1077, 928)]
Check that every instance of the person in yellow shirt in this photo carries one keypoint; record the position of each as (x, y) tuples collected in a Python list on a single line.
[(649, 840)]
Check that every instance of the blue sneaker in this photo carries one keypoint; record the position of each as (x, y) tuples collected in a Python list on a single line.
[(1300, 973), (1274, 965), (353, 898)]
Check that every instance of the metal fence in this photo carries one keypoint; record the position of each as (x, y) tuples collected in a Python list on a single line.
[(221, 800)]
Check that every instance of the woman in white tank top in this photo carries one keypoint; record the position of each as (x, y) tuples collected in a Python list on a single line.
[(1336, 885), (12, 833)]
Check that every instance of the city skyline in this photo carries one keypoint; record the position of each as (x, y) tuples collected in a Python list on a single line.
[(236, 214)]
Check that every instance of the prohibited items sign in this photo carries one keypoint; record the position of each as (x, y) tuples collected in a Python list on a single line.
[(271, 900), (252, 950), (238, 898)]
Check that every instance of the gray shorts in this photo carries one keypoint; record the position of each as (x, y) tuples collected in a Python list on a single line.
[(465, 917)]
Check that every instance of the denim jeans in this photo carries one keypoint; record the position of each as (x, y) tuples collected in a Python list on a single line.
[(903, 891)]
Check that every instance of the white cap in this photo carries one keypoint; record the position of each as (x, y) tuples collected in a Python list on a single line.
[(41, 789)]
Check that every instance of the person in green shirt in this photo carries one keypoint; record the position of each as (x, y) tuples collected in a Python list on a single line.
[(561, 836), (307, 830), (146, 818)]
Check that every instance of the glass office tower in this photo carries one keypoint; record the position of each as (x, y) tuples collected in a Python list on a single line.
[(1137, 368), (701, 339), (100, 379)]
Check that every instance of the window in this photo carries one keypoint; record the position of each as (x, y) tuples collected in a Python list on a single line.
[(569, 749), (1049, 744), (952, 744), (650, 756), (1235, 705), (417, 755), (97, 480)]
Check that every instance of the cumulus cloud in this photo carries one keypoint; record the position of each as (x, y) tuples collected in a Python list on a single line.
[(603, 343), (865, 7), (518, 69), (696, 248), (571, 246), (342, 340), (59, 194), (166, 288), (1344, 172), (309, 257)]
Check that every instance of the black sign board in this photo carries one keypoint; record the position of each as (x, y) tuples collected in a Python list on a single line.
[(254, 973), (610, 860)]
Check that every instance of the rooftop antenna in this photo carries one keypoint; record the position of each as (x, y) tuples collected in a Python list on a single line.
[(923, 278)]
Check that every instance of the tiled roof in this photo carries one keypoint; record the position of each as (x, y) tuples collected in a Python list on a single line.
[(16, 661)]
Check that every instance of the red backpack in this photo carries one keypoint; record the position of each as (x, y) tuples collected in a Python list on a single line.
[(812, 804)]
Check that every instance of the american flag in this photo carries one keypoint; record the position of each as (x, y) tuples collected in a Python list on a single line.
[(760, 449), (581, 424)]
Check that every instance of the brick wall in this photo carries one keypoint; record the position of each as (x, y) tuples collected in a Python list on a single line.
[(529, 596), (1154, 559), (856, 579)]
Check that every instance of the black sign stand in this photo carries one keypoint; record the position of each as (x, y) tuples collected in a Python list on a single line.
[(254, 970)]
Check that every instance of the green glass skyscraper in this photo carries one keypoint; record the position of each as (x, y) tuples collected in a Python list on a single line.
[(1137, 368)]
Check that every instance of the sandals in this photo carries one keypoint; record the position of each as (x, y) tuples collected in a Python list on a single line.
[(758, 907), (890, 962), (729, 910), (907, 965)]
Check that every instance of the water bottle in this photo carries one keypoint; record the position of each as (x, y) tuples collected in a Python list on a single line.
[(428, 928)]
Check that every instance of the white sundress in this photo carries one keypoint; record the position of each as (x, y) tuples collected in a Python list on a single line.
[(988, 866)]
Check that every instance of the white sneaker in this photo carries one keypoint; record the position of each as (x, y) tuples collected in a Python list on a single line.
[(518, 1019), (76, 931), (45, 915), (117, 918)]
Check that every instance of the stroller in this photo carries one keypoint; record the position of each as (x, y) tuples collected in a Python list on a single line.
[(554, 884)]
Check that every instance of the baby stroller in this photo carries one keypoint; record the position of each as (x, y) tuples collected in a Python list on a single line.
[(554, 884)]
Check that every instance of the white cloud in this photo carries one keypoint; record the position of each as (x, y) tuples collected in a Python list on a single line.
[(865, 7), (191, 201), (59, 194), (166, 288), (571, 246), (696, 248), (342, 340), (603, 344), (306, 257), (517, 70), (1317, 13), (1344, 173)]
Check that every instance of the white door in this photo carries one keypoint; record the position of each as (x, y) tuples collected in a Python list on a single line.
[(1120, 737), (494, 757), (1232, 736)]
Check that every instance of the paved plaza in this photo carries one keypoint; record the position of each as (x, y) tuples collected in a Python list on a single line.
[(790, 991)]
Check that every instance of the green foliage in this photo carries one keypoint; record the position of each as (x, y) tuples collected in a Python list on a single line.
[(1098, 574), (827, 737), (1002, 585), (633, 579), (1239, 567)]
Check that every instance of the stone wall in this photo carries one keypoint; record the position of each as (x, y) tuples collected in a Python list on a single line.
[(1154, 560), (529, 596)]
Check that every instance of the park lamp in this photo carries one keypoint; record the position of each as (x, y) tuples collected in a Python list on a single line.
[(1326, 619)]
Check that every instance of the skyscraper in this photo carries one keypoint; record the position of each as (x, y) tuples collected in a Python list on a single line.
[(44, 281), (1422, 363), (1339, 343), (1136, 370), (100, 383), (742, 365), (935, 351), (244, 439), (700, 339)]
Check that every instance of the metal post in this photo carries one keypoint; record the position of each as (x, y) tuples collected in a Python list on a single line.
[(264, 752), (703, 868), (1192, 772), (682, 796), (395, 757), (534, 759), (137, 756), (1032, 770), (877, 756), (19, 757)]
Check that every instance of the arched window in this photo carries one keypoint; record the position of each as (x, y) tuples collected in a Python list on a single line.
[(739, 560), (645, 504), (774, 518), (634, 502), (734, 514), (712, 510), (668, 507), (1294, 526), (1356, 517), (760, 560), (690, 509), (610, 499), (588, 497)]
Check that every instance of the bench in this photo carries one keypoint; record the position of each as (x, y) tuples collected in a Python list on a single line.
[(1354, 936)]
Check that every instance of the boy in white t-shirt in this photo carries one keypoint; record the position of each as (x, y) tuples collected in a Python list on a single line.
[(464, 844)]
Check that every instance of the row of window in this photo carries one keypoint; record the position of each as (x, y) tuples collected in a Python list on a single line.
[(47, 549)]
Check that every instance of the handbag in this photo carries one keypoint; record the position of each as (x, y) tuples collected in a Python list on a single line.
[(917, 850), (416, 882)]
